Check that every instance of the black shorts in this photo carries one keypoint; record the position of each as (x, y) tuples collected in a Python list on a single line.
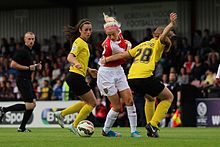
[(151, 86), (77, 84), (26, 89)]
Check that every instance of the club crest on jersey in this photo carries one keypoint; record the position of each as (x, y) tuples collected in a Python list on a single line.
[(73, 48), (105, 90), (152, 44)]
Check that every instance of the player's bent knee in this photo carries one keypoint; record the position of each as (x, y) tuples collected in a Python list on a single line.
[(129, 102), (30, 106), (150, 99), (117, 108), (171, 97), (93, 104), (34, 105)]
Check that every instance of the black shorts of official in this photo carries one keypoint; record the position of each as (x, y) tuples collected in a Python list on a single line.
[(141, 86), (77, 84), (26, 89)]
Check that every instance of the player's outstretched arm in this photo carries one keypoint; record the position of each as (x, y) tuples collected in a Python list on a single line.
[(118, 56), (169, 27)]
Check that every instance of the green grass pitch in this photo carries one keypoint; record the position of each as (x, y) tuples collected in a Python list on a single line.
[(57, 137)]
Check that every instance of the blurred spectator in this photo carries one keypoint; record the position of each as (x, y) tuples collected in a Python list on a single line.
[(165, 79), (198, 70), (4, 50), (183, 77), (17, 93), (128, 36), (65, 64), (57, 90), (209, 78), (36, 88), (149, 35), (213, 60), (3, 78), (189, 64), (12, 45), (159, 70), (36, 48), (47, 70), (45, 91), (11, 78), (172, 70), (206, 38), (185, 46), (54, 45), (98, 45), (98, 55), (45, 46), (208, 82), (176, 91), (197, 40), (6, 91), (100, 113), (41, 77), (1, 73), (56, 72), (175, 57), (213, 52), (67, 46)]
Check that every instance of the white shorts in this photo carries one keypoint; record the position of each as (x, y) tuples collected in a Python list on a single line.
[(110, 80)]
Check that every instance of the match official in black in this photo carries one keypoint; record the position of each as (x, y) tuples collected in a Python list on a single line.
[(24, 63)]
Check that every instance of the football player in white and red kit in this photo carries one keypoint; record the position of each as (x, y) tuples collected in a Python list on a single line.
[(112, 81)]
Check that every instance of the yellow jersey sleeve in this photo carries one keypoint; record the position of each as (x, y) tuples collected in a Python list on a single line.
[(80, 49), (160, 48), (75, 48)]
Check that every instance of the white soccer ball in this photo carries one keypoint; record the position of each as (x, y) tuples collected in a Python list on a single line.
[(85, 128)]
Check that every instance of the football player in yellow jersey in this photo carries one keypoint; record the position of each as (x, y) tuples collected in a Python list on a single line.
[(78, 59), (141, 79)]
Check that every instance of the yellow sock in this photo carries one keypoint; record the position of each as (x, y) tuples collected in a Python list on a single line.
[(72, 109), (83, 114), (160, 112), (149, 110)]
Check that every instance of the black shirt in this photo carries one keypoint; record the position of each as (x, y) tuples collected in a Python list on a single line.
[(174, 87), (23, 57)]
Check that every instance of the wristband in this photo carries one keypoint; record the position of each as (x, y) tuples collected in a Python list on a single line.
[(29, 68)]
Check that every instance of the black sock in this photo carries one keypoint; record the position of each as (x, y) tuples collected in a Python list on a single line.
[(26, 117), (16, 107)]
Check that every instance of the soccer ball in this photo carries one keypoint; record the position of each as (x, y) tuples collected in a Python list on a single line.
[(85, 128)]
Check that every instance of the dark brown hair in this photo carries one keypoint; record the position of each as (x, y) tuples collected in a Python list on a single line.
[(72, 33)]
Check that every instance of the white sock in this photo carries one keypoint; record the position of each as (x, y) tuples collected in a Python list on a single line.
[(110, 119), (218, 73), (132, 116)]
